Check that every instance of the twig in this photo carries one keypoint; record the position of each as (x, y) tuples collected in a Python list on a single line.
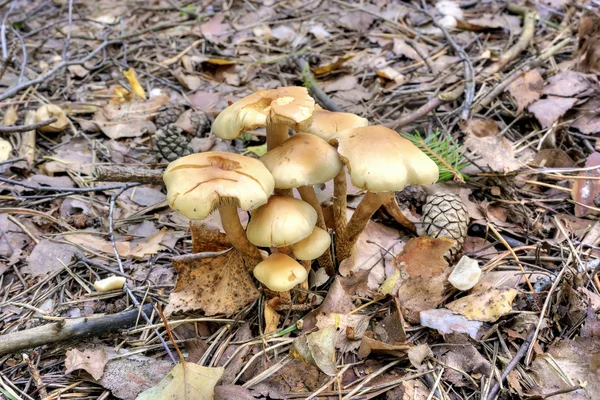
[(68, 329), (8, 58), (309, 80), (512, 252), (25, 128), (513, 363), (60, 189), (116, 173)]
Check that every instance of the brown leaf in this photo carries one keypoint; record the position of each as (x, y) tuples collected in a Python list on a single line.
[(337, 301), (13, 238), (550, 109), (215, 285), (271, 319), (205, 101), (356, 21), (47, 255), (585, 191), (188, 81), (480, 127), (345, 82), (92, 361), (214, 28), (566, 84), (587, 118), (553, 158), (368, 346), (401, 48), (357, 323), (495, 152), (462, 356), (526, 89), (420, 294), (317, 349), (207, 238), (424, 257), (486, 306), (356, 283)]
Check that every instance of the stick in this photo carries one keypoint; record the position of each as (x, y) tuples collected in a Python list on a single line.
[(69, 329), (116, 173), (315, 89), (25, 128)]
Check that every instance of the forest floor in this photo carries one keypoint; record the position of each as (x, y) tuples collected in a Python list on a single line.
[(507, 90)]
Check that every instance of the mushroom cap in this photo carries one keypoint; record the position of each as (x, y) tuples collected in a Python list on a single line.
[(302, 160), (326, 123), (282, 221), (380, 160), (290, 105), (199, 183), (280, 273), (313, 246), (48, 111)]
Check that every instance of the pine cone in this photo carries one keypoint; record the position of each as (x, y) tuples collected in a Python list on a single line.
[(168, 115), (200, 122), (171, 143), (445, 215), (411, 196)]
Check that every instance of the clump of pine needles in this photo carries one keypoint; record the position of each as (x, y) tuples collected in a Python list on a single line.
[(446, 154)]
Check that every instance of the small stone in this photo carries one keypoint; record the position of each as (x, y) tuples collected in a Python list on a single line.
[(465, 274)]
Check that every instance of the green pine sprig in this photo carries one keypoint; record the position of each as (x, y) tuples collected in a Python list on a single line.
[(447, 155)]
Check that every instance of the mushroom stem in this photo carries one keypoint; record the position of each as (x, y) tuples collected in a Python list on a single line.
[(307, 193), (339, 205), (302, 295), (366, 208), (276, 134), (237, 236)]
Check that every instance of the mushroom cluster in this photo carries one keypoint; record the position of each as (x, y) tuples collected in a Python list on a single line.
[(292, 228)]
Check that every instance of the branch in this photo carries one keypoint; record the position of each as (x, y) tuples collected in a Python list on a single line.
[(309, 80), (116, 173), (25, 128)]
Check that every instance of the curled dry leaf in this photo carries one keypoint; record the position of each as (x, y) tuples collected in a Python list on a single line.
[(5, 150), (337, 301), (369, 345), (487, 306), (424, 257), (419, 294), (271, 319), (185, 381), (90, 360), (480, 127), (466, 274), (526, 89), (349, 328), (317, 349), (585, 191), (550, 109), (216, 285)]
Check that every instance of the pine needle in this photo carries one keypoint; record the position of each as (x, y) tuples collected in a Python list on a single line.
[(443, 152)]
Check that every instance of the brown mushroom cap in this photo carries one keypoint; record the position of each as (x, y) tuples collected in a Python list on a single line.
[(326, 123), (280, 273), (313, 246), (302, 160), (281, 222), (380, 160), (48, 111), (197, 184), (291, 106)]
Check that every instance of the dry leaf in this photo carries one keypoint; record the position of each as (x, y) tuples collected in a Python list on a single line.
[(334, 64), (401, 48), (188, 81), (337, 301), (151, 246), (271, 319), (550, 109), (587, 118), (214, 28), (317, 349), (13, 239), (419, 294), (391, 74), (566, 84), (586, 191), (10, 115), (216, 285), (526, 89), (487, 306), (185, 381), (345, 82), (368, 346), (461, 357), (48, 256), (495, 152), (92, 361), (131, 77), (5, 150), (345, 323), (444, 321), (424, 257), (480, 127)]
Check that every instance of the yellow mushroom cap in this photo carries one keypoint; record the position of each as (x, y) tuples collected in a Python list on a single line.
[(280, 273), (199, 183), (380, 160), (302, 160), (281, 222), (326, 123), (291, 106), (48, 111), (313, 246)]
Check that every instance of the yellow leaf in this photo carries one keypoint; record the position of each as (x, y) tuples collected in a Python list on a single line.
[(335, 64), (258, 150), (10, 115), (218, 61), (122, 95), (271, 319), (135, 85), (185, 381), (486, 306), (387, 287)]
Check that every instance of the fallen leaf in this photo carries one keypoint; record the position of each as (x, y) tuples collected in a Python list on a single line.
[(206, 237), (205, 101), (5, 150), (216, 285), (151, 246), (391, 74), (495, 152), (550, 109), (319, 32), (332, 65), (424, 257), (190, 82), (345, 82), (13, 239), (271, 319), (74, 156), (461, 355), (487, 306), (214, 28), (444, 321), (317, 349), (284, 35), (357, 20), (526, 89), (419, 294), (337, 301), (401, 48), (417, 354), (465, 274), (229, 392), (409, 390), (88, 240), (391, 329), (356, 323), (48, 256), (480, 127), (585, 191), (10, 115), (587, 118), (567, 84), (131, 77), (145, 195), (90, 360), (185, 381), (372, 346)]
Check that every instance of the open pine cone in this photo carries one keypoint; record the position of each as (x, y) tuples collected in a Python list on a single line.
[(445, 215), (168, 115)]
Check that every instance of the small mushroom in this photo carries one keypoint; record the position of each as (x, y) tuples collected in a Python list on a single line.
[(110, 283), (281, 222), (312, 246), (48, 111), (275, 109), (466, 274), (380, 161), (200, 183), (280, 273)]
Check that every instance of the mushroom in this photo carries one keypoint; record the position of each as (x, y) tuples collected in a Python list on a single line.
[(281, 222), (326, 124), (200, 183), (466, 273), (312, 246), (111, 283), (48, 111), (380, 161), (300, 162), (275, 109), (280, 273)]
